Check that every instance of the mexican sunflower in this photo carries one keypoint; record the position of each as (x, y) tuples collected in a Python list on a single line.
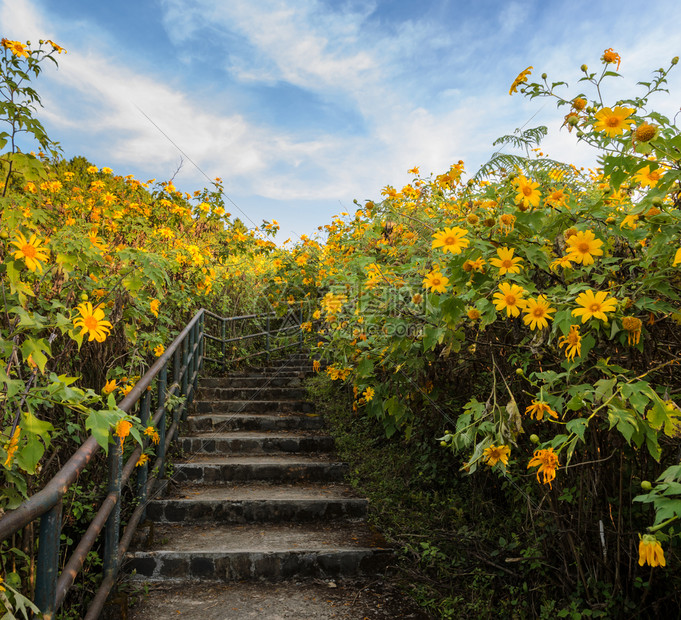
[(495, 454), (451, 240), (436, 282), (547, 460), (92, 322), (30, 251), (506, 263), (572, 343), (538, 313), (520, 79), (538, 408), (650, 551), (528, 195), (614, 122), (594, 305), (583, 246), (509, 298)]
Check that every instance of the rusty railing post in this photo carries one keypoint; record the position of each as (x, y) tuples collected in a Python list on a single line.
[(162, 387), (143, 470)]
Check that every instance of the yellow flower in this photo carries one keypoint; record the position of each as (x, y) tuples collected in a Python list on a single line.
[(583, 246), (677, 258), (150, 431), (572, 343), (474, 265), (537, 312), (538, 408), (594, 305), (521, 79), (510, 298), (30, 251), (451, 240), (11, 447), (506, 263), (368, 393), (614, 122), (507, 222), (93, 170), (547, 461), (556, 198), (579, 103), (91, 321), (632, 326), (435, 281), (563, 261), (153, 306), (144, 458), (648, 178), (416, 298), (650, 551), (122, 429), (528, 195), (316, 365), (109, 387), (473, 314), (494, 454), (57, 48), (18, 49), (610, 56), (645, 132), (159, 350)]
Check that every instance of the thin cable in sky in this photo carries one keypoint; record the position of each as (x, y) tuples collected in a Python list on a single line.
[(194, 163)]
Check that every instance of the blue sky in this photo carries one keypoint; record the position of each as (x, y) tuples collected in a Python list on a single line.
[(302, 106)]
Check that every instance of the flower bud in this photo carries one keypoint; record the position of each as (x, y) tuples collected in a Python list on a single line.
[(645, 485), (675, 60), (534, 438), (544, 76), (584, 68)]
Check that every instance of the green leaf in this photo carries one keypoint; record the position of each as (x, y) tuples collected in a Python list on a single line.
[(29, 455), (578, 426)]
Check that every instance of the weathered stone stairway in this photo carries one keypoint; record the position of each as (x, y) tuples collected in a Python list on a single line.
[(258, 497)]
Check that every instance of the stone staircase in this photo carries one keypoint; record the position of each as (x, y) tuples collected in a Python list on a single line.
[(259, 497)]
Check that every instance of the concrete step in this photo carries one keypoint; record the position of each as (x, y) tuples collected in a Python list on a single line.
[(264, 392), (255, 442), (252, 406), (248, 381), (330, 599), (270, 552), (258, 502), (204, 469), (222, 422)]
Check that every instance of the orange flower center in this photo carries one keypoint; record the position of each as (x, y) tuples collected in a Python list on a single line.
[(594, 307), (450, 240), (507, 263), (583, 247), (29, 251), (527, 190), (612, 121), (510, 300), (91, 322), (538, 312), (435, 282)]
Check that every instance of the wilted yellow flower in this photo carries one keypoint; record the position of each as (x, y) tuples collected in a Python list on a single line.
[(153, 306), (109, 386), (650, 551), (632, 326), (538, 408), (611, 56), (520, 79), (122, 429), (547, 461), (144, 458), (151, 432), (572, 343), (11, 447)]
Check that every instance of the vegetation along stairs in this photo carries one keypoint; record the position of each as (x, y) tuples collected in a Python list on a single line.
[(258, 495)]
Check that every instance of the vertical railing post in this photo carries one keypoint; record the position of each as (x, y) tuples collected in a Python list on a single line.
[(185, 373), (113, 523), (267, 337), (202, 340), (48, 561), (177, 369), (162, 386), (223, 344), (300, 322), (143, 470)]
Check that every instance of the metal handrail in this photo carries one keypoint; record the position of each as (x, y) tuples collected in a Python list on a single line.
[(187, 355)]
